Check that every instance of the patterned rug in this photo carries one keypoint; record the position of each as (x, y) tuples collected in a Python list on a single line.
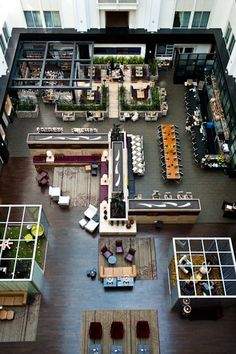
[(129, 318), (82, 188), (144, 259)]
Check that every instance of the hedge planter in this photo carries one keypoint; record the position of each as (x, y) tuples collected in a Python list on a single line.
[(28, 114)]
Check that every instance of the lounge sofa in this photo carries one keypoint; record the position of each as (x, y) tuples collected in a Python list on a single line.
[(113, 272)]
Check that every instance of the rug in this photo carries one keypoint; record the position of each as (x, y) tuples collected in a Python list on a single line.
[(82, 188), (129, 319), (144, 259)]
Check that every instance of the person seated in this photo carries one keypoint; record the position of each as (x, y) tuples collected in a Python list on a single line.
[(208, 288)]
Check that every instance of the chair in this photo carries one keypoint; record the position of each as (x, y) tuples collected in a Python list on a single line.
[(130, 255), (117, 330), (91, 226), (95, 330), (10, 315), (119, 247), (142, 329), (3, 315), (50, 156), (106, 252), (90, 212), (94, 170)]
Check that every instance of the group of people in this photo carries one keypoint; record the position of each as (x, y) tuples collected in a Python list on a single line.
[(117, 69)]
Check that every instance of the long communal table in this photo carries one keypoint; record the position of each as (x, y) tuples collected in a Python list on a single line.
[(170, 151)]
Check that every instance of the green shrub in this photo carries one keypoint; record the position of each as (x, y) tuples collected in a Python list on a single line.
[(135, 59), (26, 105)]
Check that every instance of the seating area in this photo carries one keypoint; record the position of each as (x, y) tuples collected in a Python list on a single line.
[(137, 150), (170, 154), (55, 194), (117, 332)]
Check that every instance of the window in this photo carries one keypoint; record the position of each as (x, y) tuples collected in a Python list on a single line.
[(231, 44), (228, 33), (33, 19), (5, 32), (2, 44), (52, 18), (200, 19), (181, 19)]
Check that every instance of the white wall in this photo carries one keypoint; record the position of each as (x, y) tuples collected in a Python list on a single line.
[(167, 12)]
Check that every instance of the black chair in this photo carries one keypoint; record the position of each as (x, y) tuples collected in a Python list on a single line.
[(130, 255)]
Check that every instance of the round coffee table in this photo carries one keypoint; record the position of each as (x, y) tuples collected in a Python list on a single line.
[(112, 260)]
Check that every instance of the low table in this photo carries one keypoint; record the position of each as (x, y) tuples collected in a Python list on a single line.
[(143, 348), (95, 349), (109, 282), (116, 349), (126, 282), (112, 260)]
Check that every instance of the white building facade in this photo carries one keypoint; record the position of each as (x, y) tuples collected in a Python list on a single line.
[(149, 15)]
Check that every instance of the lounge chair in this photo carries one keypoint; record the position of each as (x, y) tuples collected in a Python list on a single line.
[(130, 255), (106, 252)]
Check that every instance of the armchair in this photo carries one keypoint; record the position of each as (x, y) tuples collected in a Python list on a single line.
[(119, 247), (130, 255), (106, 252)]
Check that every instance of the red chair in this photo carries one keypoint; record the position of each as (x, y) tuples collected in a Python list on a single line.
[(130, 255), (142, 329), (95, 330), (117, 330)]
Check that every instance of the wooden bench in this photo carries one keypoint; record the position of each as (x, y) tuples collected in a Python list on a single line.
[(13, 298)]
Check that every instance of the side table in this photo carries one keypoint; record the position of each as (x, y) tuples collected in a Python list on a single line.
[(143, 348), (112, 260)]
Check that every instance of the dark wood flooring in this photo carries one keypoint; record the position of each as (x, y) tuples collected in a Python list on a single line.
[(68, 291)]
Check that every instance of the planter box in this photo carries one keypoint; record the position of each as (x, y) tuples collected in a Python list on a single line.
[(28, 114), (78, 114)]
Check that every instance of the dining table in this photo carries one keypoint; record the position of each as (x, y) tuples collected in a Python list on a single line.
[(170, 151)]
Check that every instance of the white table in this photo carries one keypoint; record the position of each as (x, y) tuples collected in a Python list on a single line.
[(54, 193), (64, 200)]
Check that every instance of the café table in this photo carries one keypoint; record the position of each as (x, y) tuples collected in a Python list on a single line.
[(116, 349), (170, 151), (95, 349)]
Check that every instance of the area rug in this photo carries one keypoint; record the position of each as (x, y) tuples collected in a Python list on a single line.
[(82, 188), (24, 326), (129, 318), (144, 259)]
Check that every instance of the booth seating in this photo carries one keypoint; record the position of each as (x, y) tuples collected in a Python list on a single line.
[(118, 271)]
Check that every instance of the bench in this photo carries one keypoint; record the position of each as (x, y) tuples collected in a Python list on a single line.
[(13, 298)]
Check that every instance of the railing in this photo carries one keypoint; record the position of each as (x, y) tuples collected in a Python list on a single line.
[(117, 2)]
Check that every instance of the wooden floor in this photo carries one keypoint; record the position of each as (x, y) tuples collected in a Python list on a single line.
[(144, 258), (68, 292), (24, 325), (129, 319)]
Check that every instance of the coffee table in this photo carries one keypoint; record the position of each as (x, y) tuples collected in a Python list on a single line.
[(109, 282), (143, 348), (95, 349), (112, 260), (116, 349), (126, 282)]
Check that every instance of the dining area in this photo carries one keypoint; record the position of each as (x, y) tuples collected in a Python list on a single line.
[(170, 155)]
